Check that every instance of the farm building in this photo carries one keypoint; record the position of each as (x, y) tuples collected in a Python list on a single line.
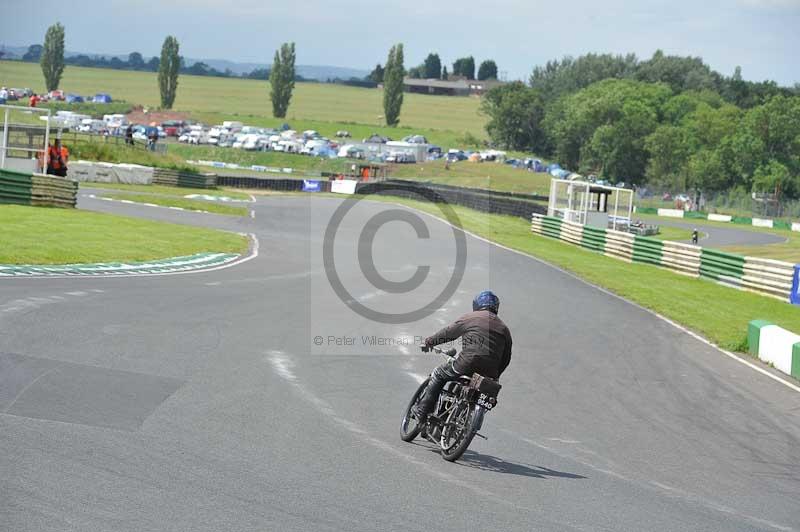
[(459, 87)]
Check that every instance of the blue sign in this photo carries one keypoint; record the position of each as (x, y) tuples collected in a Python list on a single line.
[(311, 186), (794, 295)]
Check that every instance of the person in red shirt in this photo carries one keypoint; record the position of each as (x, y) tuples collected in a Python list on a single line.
[(33, 100)]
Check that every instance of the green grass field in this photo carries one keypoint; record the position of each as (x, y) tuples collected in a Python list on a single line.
[(494, 176), (41, 235), (324, 107), (168, 191)]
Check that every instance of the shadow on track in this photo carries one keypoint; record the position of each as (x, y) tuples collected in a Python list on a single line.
[(487, 462)]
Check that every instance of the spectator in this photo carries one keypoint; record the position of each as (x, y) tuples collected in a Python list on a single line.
[(152, 136), (3, 95), (33, 100), (57, 159), (694, 236), (129, 135)]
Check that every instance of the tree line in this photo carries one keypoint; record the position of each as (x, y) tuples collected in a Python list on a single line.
[(669, 122), (282, 75), (432, 68), (136, 62)]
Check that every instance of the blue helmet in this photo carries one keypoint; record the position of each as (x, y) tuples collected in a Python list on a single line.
[(486, 300)]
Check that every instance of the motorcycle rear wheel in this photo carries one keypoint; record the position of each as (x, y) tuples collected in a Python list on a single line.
[(458, 432)]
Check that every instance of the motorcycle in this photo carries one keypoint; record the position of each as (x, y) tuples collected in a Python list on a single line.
[(458, 415)]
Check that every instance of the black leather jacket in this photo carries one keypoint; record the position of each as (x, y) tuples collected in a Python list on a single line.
[(486, 343)]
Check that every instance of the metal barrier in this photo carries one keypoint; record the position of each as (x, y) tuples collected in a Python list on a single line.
[(764, 276)]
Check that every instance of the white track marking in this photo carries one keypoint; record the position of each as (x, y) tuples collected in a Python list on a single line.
[(284, 367), (621, 298), (417, 377), (252, 213)]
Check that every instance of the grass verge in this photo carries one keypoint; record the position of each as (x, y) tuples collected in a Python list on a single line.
[(174, 201), (41, 235), (169, 191), (718, 313)]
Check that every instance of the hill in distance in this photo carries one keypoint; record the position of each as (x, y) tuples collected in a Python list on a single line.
[(318, 72)]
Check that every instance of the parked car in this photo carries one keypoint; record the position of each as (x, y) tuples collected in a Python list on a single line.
[(343, 134), (90, 125), (376, 139), (415, 139), (456, 155), (172, 127), (57, 94), (73, 98), (101, 97)]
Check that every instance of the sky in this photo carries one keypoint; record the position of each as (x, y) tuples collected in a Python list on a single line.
[(762, 36)]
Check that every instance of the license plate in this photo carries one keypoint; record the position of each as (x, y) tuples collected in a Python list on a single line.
[(485, 402)]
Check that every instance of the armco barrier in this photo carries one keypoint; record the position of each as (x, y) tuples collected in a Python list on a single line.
[(466, 197), (37, 189), (774, 345), (764, 276), (263, 183), (175, 178)]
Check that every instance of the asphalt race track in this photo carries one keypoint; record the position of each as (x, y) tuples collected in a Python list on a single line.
[(726, 236), (202, 402)]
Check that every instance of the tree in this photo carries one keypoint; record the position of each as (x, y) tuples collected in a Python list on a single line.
[(136, 61), (377, 74), (393, 85), (168, 69), (445, 75), (487, 70), (33, 54), (417, 72), (515, 115), (602, 127), (281, 79), (52, 60), (465, 66), (432, 66), (153, 64), (669, 151), (559, 78)]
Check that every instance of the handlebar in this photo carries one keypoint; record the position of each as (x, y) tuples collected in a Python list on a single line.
[(450, 352)]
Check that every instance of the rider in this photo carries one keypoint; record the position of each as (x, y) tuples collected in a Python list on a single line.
[(486, 349)]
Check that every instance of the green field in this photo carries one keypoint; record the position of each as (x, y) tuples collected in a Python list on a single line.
[(41, 235), (491, 175), (324, 107)]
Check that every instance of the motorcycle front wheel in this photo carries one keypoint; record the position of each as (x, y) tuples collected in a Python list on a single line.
[(409, 427)]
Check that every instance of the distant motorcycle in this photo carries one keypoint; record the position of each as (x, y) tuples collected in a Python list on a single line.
[(458, 415)]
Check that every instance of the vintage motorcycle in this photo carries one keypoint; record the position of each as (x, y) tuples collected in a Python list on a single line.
[(458, 415)]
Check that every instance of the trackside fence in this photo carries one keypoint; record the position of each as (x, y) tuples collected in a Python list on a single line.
[(765, 276)]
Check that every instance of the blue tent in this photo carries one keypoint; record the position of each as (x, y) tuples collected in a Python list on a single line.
[(102, 97), (73, 98)]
